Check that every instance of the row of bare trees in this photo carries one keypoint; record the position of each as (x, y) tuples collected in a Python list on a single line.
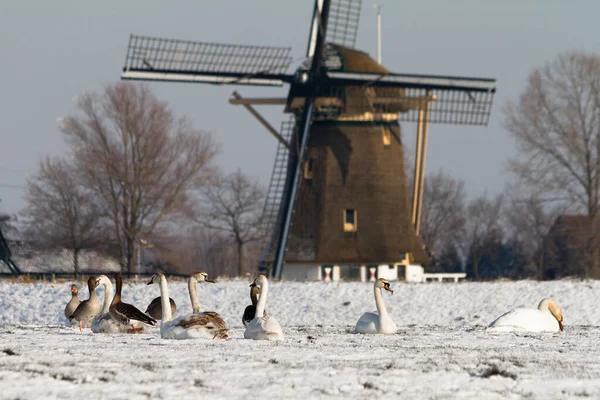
[(135, 174), (487, 236), (556, 126)]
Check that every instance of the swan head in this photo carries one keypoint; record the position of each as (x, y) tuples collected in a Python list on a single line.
[(74, 290), (202, 277), (555, 310), (383, 283), (259, 280), (102, 279), (155, 278)]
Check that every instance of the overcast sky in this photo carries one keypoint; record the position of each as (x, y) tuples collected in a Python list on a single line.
[(50, 51)]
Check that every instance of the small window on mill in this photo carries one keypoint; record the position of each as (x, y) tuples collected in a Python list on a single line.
[(350, 220), (308, 168), (387, 136)]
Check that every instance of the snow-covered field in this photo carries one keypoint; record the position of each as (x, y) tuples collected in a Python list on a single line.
[(441, 350)]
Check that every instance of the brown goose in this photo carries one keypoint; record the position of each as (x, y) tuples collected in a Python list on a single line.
[(251, 310), (155, 308), (73, 303), (87, 309), (126, 313)]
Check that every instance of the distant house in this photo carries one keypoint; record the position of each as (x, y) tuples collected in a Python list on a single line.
[(33, 259), (565, 247)]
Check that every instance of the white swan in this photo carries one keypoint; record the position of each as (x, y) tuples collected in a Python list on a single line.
[(103, 322), (547, 317), (206, 325), (377, 321), (192, 281), (263, 327)]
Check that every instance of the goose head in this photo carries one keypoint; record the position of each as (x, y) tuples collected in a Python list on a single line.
[(155, 278), (555, 310), (383, 283), (92, 283), (74, 290), (202, 277)]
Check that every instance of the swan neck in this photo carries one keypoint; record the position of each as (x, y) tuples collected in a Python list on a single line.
[(262, 298), (544, 305), (108, 295), (379, 302), (254, 296), (193, 295), (164, 300)]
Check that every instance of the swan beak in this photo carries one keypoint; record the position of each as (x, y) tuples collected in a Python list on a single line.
[(560, 325), (388, 288), (253, 284), (209, 280), (149, 283)]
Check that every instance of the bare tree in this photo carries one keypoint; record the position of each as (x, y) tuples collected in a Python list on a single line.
[(7, 224), (210, 251), (235, 204), (59, 211), (556, 124), (443, 216), (138, 159), (483, 229), (528, 221)]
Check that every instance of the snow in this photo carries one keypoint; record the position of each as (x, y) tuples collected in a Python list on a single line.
[(440, 351)]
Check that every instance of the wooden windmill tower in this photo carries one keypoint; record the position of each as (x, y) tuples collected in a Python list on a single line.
[(338, 192)]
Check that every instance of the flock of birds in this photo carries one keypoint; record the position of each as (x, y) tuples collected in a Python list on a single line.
[(115, 316)]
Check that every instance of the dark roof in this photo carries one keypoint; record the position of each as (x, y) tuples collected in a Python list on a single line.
[(358, 61)]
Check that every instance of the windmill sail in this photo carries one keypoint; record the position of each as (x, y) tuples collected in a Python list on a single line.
[(158, 59)]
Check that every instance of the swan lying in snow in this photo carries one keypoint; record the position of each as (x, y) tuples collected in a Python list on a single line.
[(547, 317), (206, 325), (103, 322), (377, 321), (263, 327)]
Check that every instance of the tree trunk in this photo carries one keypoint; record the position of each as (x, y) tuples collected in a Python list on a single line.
[(541, 265), (130, 253), (476, 258), (76, 261), (595, 270), (240, 251)]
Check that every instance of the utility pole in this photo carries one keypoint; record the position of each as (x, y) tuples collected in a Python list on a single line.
[(378, 8)]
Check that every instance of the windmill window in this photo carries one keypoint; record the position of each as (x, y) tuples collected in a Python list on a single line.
[(308, 168), (350, 220), (387, 137)]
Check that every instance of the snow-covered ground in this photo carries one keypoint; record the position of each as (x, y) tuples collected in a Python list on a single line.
[(441, 350)]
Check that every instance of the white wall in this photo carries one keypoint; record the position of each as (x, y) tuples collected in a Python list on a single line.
[(384, 271), (302, 272), (414, 273)]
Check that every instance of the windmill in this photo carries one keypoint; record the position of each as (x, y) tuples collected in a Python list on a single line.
[(340, 156)]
